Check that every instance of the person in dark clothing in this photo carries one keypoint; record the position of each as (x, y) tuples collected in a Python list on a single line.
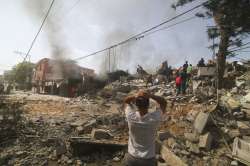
[(149, 80), (178, 83), (183, 75), (185, 66), (201, 63)]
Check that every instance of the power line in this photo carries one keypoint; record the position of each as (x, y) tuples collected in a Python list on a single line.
[(239, 49), (247, 43), (73, 6), (167, 27), (244, 51), (39, 30), (141, 33)]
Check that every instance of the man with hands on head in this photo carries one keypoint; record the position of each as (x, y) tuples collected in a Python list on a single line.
[(142, 126)]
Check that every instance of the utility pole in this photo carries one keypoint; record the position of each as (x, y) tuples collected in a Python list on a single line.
[(22, 54), (109, 59)]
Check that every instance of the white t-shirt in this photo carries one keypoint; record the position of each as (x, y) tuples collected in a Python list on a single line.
[(142, 132)]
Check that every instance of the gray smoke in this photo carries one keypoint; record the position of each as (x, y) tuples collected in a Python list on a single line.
[(121, 19), (88, 26), (54, 32)]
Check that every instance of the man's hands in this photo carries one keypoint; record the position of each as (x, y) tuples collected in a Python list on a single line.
[(144, 93), (141, 93), (160, 100)]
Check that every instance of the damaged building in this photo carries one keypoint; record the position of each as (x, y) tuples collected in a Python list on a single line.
[(59, 77)]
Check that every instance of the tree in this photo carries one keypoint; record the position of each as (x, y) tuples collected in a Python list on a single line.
[(20, 74), (232, 26), (8, 76)]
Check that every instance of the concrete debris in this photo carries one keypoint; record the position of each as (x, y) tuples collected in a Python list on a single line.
[(100, 134), (230, 103), (205, 141), (194, 148), (192, 115), (91, 129), (206, 71), (242, 125), (171, 158), (82, 146), (234, 163), (234, 133), (201, 122), (241, 151), (163, 135), (192, 137), (60, 148)]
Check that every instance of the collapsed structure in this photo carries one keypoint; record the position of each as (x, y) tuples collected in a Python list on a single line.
[(61, 77), (197, 130)]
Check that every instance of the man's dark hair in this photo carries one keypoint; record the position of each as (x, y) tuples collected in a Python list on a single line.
[(142, 102)]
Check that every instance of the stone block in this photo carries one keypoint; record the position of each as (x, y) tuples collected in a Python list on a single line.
[(100, 134), (205, 141), (241, 151), (206, 71), (234, 133), (192, 137), (163, 135), (171, 158), (201, 122)]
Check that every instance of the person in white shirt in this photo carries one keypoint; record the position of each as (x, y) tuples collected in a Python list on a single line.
[(142, 128)]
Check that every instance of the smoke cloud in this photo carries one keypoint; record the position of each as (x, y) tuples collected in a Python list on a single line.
[(76, 28)]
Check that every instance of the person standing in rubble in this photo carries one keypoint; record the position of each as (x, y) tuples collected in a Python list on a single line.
[(201, 63), (183, 75), (189, 71), (185, 66), (142, 128), (178, 83)]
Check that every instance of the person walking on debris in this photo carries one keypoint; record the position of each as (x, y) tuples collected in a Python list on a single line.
[(185, 66), (201, 63), (189, 71), (178, 83), (142, 128), (149, 80), (183, 75)]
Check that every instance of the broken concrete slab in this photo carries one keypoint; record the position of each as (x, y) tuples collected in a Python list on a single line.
[(60, 148), (234, 133), (241, 151), (206, 71), (201, 122), (192, 137), (163, 135), (81, 146), (205, 141), (78, 123), (89, 126), (80, 130), (242, 125), (192, 115), (194, 148), (100, 134), (170, 157), (246, 138), (230, 103), (247, 98)]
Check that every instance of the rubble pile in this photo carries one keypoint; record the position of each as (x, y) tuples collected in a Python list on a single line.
[(10, 116), (196, 130)]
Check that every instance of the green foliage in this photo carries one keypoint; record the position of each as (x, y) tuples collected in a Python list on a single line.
[(20, 74), (231, 16), (9, 76)]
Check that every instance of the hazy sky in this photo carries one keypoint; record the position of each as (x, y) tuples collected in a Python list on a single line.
[(80, 27)]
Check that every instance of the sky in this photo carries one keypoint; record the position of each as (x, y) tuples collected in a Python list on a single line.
[(77, 28)]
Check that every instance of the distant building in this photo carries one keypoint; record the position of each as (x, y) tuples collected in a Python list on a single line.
[(60, 77), (1, 79)]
